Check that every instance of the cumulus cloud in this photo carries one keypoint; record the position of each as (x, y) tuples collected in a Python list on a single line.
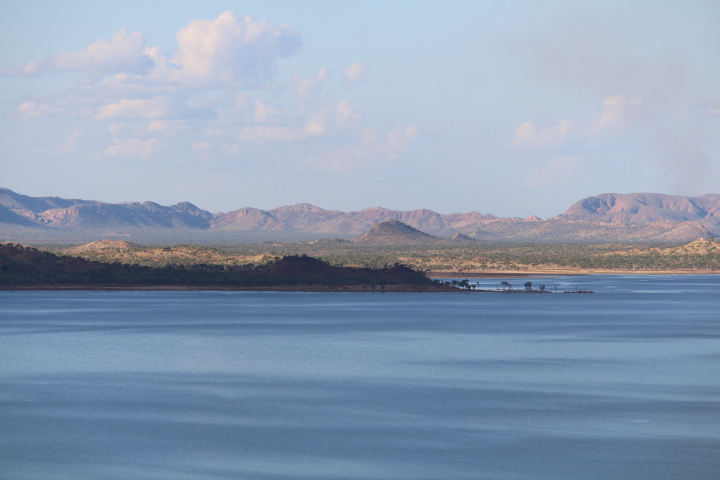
[(71, 142), (219, 92), (619, 113), (345, 114), (33, 109), (125, 53), (312, 85), (398, 140), (263, 111), (316, 127), (137, 82), (135, 109), (225, 50), (529, 134), (157, 125), (621, 116), (356, 73), (283, 134), (231, 49), (661, 138)]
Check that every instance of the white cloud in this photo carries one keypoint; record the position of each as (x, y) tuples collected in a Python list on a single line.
[(356, 72), (217, 93), (263, 112), (310, 86), (231, 49), (528, 134), (618, 114), (131, 109), (230, 53), (398, 140), (345, 113), (33, 109), (157, 125), (71, 142), (315, 127), (124, 53), (132, 147), (227, 105)]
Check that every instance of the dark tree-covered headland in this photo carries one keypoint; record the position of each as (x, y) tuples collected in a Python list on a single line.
[(22, 266)]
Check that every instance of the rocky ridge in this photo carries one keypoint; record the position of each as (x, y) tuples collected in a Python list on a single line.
[(642, 217)]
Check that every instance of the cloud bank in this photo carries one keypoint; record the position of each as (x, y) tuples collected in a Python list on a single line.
[(125, 53), (221, 88)]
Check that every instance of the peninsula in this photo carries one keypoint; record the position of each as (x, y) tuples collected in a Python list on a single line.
[(24, 267)]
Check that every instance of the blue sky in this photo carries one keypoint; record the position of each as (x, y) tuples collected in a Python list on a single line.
[(513, 108)]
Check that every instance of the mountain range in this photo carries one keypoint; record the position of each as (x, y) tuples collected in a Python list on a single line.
[(610, 217)]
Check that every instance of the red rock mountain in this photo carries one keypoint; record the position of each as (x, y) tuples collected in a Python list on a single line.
[(608, 217), (639, 208)]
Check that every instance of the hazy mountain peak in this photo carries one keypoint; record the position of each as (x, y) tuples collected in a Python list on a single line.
[(608, 217), (394, 231), (298, 208), (637, 208)]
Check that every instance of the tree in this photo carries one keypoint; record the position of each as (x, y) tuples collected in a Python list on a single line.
[(528, 286)]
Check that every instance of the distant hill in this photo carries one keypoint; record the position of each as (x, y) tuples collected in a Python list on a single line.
[(610, 217), (461, 237), (101, 245), (395, 232), (638, 208), (74, 214)]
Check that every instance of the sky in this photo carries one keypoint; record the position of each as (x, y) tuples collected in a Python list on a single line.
[(513, 108)]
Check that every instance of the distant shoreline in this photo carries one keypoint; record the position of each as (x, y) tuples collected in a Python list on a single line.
[(554, 272), (287, 288)]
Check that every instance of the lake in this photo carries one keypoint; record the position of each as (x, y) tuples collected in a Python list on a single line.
[(620, 384)]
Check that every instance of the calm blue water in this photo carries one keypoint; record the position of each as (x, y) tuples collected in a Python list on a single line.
[(621, 384)]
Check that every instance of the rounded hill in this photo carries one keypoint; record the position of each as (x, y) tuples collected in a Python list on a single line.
[(395, 232)]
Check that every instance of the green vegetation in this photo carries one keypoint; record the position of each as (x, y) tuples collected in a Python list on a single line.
[(700, 255)]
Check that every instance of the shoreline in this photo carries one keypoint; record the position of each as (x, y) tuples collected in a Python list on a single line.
[(553, 272), (286, 288)]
